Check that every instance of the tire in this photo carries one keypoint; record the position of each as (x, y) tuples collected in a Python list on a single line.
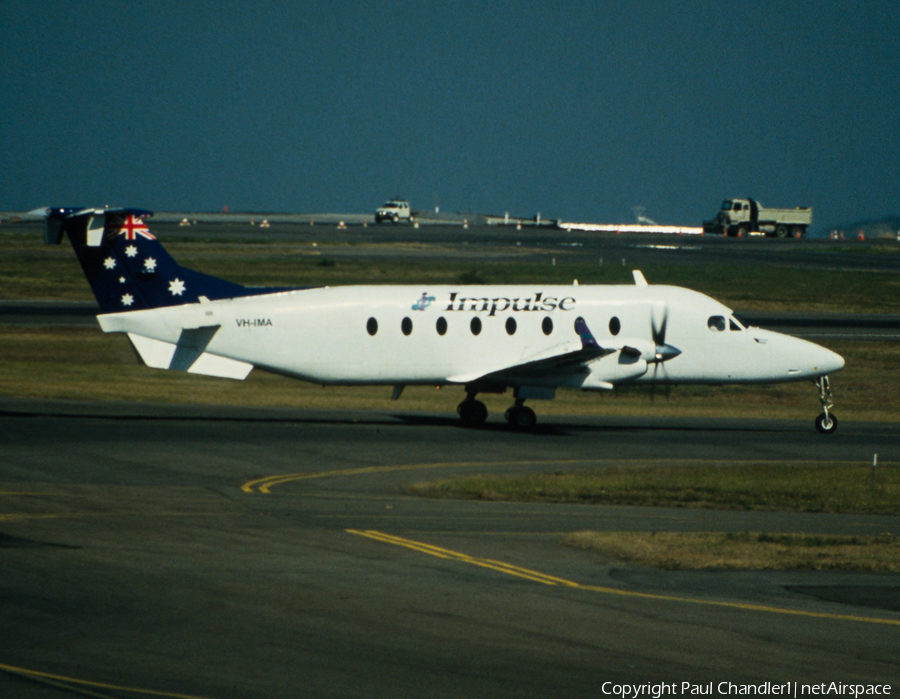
[(473, 413), (826, 424), (521, 418), (781, 231)]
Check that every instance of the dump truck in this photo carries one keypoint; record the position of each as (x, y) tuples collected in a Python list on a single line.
[(741, 217)]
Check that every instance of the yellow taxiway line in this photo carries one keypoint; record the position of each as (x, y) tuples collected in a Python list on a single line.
[(80, 686), (545, 579), (264, 485)]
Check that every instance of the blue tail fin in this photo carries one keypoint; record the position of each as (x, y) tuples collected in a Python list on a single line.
[(127, 267)]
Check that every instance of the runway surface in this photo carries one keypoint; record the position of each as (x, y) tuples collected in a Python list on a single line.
[(216, 552)]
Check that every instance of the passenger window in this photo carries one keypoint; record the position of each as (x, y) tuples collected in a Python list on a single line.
[(406, 326), (510, 326), (372, 326), (717, 323), (547, 325), (475, 325), (614, 326), (441, 325)]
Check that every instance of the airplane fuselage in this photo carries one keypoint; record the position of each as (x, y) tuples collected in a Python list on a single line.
[(454, 334)]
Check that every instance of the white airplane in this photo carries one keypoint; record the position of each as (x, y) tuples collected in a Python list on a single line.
[(487, 339)]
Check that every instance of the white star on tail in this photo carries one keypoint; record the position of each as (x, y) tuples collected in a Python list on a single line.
[(109, 263), (127, 300), (176, 287), (150, 264), (131, 251)]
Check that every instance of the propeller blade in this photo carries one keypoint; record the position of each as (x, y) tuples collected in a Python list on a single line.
[(659, 318)]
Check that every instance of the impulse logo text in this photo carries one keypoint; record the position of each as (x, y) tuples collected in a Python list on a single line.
[(495, 305)]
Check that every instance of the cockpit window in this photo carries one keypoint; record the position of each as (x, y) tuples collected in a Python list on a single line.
[(716, 323), (733, 324)]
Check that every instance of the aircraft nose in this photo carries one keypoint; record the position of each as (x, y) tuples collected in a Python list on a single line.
[(828, 361), (811, 360)]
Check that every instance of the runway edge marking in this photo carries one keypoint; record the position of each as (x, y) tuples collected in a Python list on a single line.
[(545, 579)]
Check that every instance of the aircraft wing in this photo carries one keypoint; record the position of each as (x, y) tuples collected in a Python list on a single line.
[(559, 357)]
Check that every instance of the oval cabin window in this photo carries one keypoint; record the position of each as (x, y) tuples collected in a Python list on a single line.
[(614, 326), (547, 325)]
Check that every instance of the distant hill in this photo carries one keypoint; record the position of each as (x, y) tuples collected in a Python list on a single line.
[(874, 228)]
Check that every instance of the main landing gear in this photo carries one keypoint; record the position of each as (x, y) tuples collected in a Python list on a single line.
[(473, 413), (826, 423), (519, 417)]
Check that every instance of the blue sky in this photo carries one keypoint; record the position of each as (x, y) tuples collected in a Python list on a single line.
[(579, 110)]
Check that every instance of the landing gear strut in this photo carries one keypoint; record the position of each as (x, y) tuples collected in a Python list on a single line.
[(826, 423), (519, 417)]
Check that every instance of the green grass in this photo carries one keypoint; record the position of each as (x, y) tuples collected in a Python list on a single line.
[(783, 486), (744, 550), (82, 363), (31, 270)]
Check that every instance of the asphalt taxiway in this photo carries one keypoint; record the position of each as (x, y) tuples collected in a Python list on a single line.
[(217, 552)]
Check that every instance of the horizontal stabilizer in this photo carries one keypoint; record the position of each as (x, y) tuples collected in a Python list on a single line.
[(184, 357)]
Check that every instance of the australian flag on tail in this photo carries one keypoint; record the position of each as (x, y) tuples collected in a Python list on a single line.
[(128, 268)]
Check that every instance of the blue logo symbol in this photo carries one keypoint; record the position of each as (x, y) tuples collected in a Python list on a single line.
[(423, 302)]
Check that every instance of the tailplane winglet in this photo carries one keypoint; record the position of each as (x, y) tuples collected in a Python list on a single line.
[(588, 342)]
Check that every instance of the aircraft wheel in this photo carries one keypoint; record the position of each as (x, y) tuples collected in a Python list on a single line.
[(473, 413), (521, 418), (826, 424)]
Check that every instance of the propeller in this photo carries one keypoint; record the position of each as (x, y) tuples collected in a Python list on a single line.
[(659, 320)]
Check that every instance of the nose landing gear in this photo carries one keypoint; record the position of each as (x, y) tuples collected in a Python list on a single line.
[(826, 423)]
